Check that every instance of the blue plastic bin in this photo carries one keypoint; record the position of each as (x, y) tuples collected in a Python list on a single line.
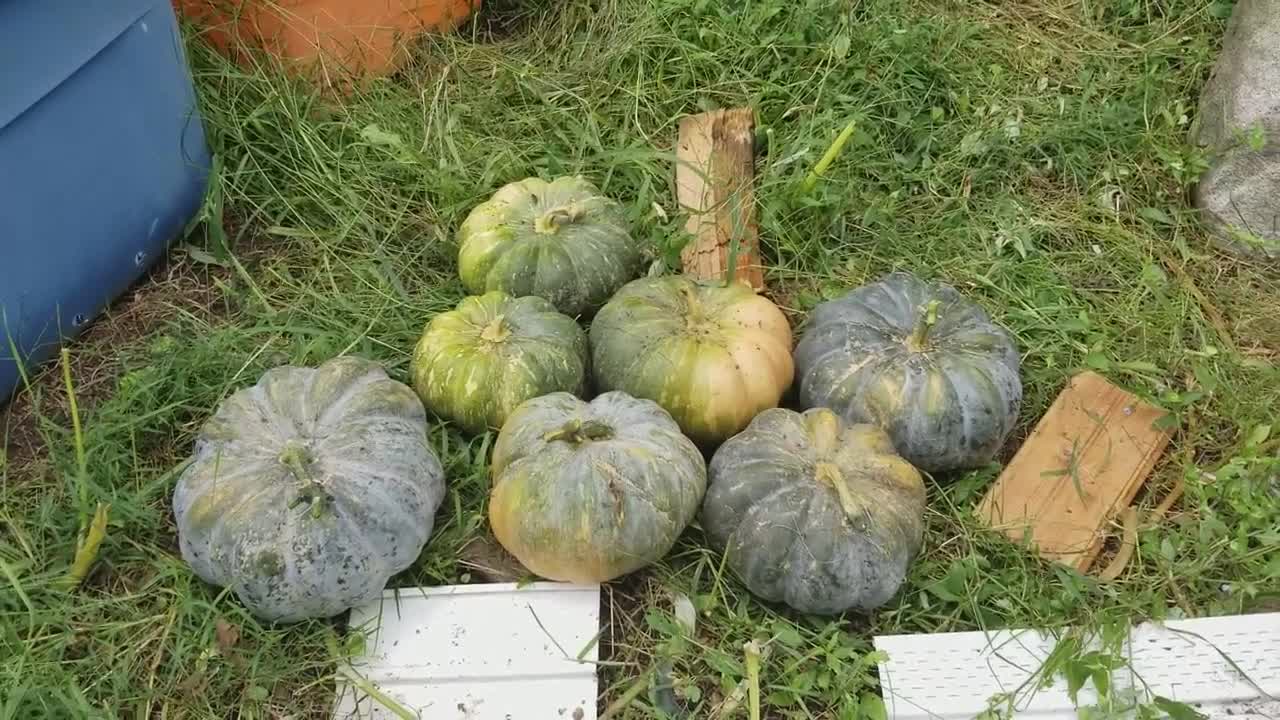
[(102, 162)]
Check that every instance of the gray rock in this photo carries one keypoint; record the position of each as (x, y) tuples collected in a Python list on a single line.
[(1239, 197)]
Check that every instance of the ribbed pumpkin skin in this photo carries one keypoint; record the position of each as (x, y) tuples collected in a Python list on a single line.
[(712, 356), (814, 513), (948, 403), (560, 240), (476, 364), (309, 490), (584, 510)]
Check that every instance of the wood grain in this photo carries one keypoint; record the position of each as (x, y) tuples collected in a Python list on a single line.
[(1081, 467), (715, 172)]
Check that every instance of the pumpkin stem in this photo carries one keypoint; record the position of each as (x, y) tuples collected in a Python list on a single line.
[(496, 330), (296, 458), (828, 474), (919, 340), (577, 432), (549, 222), (695, 317)]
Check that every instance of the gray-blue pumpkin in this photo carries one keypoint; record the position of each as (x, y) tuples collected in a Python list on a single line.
[(309, 490), (920, 361), (814, 513)]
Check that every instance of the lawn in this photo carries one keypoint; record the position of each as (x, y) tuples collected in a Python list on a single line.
[(1034, 154)]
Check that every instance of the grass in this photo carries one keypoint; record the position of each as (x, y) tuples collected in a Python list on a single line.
[(1034, 154)]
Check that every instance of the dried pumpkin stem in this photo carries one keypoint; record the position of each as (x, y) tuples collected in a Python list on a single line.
[(577, 432), (695, 316), (829, 474), (919, 339), (496, 330), (549, 222), (295, 457)]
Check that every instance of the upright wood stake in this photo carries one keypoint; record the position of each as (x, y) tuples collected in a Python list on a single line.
[(715, 172)]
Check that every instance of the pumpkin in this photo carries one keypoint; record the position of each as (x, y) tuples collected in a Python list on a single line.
[(475, 364), (560, 240), (587, 492), (713, 355), (814, 513), (919, 360), (309, 490)]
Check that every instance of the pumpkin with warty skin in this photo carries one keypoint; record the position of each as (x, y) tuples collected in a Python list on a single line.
[(309, 490), (477, 363), (814, 513), (919, 360), (713, 355), (587, 492), (560, 240)]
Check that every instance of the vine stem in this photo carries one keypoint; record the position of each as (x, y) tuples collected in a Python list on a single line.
[(829, 156), (751, 651), (82, 463), (93, 530)]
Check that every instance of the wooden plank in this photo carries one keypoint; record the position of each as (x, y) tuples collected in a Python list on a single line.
[(1081, 467), (715, 172)]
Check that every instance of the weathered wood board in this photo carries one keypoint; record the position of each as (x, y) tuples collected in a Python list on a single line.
[(1081, 467), (715, 172)]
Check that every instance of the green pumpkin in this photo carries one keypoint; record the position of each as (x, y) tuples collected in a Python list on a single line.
[(712, 355), (810, 512), (587, 492), (919, 360), (476, 363), (560, 240), (309, 490)]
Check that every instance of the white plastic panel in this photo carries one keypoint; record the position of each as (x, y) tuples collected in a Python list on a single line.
[(479, 652), (955, 675)]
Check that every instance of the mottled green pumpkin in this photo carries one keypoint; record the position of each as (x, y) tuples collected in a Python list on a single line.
[(309, 490), (560, 240), (475, 364), (810, 512), (919, 360), (713, 355), (587, 492)]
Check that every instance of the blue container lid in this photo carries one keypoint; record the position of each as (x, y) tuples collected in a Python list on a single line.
[(31, 29), (103, 161)]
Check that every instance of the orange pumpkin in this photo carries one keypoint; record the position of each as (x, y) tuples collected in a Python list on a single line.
[(338, 40)]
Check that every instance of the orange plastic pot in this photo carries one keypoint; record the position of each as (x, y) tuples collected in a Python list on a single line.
[(339, 40)]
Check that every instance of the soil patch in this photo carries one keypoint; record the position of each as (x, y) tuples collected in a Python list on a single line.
[(174, 286)]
